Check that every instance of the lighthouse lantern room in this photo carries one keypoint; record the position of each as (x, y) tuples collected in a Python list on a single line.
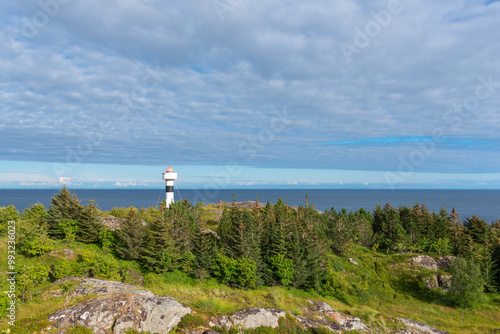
[(169, 176)]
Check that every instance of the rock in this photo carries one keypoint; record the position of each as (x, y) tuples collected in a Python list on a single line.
[(118, 312), (111, 222), (352, 261), (248, 318), (342, 322), (221, 322), (424, 261), (444, 262), (101, 287), (431, 282), (417, 327), (210, 331), (445, 282)]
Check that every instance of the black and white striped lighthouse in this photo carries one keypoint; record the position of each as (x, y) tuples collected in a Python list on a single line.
[(169, 176)]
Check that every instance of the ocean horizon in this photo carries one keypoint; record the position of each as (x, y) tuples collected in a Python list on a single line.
[(482, 203)]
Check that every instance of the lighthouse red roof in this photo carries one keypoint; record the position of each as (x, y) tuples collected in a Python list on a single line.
[(169, 169)]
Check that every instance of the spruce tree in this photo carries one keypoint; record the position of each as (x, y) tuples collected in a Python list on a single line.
[(89, 224), (64, 209), (159, 252), (130, 237), (204, 250)]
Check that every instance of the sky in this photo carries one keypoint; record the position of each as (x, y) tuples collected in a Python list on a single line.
[(250, 94)]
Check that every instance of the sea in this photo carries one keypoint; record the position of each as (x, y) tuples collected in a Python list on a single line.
[(483, 203)]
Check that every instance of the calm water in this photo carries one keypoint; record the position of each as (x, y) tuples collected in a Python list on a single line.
[(483, 203)]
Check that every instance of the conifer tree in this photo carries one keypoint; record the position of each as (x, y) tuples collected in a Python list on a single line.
[(388, 227), (64, 209), (89, 224), (159, 252), (204, 250), (130, 237)]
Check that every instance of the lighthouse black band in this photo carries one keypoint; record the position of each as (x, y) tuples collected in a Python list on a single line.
[(170, 189)]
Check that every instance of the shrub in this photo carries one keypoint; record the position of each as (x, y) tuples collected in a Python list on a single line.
[(7, 214), (191, 321), (466, 283), (98, 265), (282, 268)]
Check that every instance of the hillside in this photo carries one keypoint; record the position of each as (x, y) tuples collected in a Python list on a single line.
[(352, 275)]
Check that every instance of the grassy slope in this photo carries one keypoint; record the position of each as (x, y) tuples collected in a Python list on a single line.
[(381, 285)]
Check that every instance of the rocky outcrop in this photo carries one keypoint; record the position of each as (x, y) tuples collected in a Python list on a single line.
[(431, 282), (248, 318), (352, 261), (424, 261), (341, 321), (431, 263), (118, 312), (415, 327)]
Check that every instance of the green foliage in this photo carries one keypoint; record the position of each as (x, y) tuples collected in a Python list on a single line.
[(282, 269), (31, 277), (4, 304), (335, 285), (389, 229), (477, 228), (63, 214), (191, 321), (7, 214), (171, 232), (35, 214), (466, 283), (69, 229), (33, 239), (106, 238), (246, 273), (30, 325), (97, 265), (89, 225), (204, 249), (178, 277), (63, 268), (240, 272), (441, 247), (130, 237), (79, 330)]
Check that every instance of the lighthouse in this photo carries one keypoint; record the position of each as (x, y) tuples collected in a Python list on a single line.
[(169, 176)]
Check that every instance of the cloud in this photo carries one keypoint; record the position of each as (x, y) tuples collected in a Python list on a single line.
[(157, 82)]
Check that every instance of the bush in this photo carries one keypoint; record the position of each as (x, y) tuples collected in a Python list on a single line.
[(241, 273), (466, 283), (33, 239), (191, 321), (98, 265), (7, 214), (282, 268)]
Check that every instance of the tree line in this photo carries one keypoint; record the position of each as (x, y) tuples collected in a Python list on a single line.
[(270, 245)]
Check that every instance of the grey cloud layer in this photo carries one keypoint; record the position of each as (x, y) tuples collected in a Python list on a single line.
[(148, 82)]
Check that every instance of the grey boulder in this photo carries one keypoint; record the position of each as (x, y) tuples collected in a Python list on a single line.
[(118, 312)]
